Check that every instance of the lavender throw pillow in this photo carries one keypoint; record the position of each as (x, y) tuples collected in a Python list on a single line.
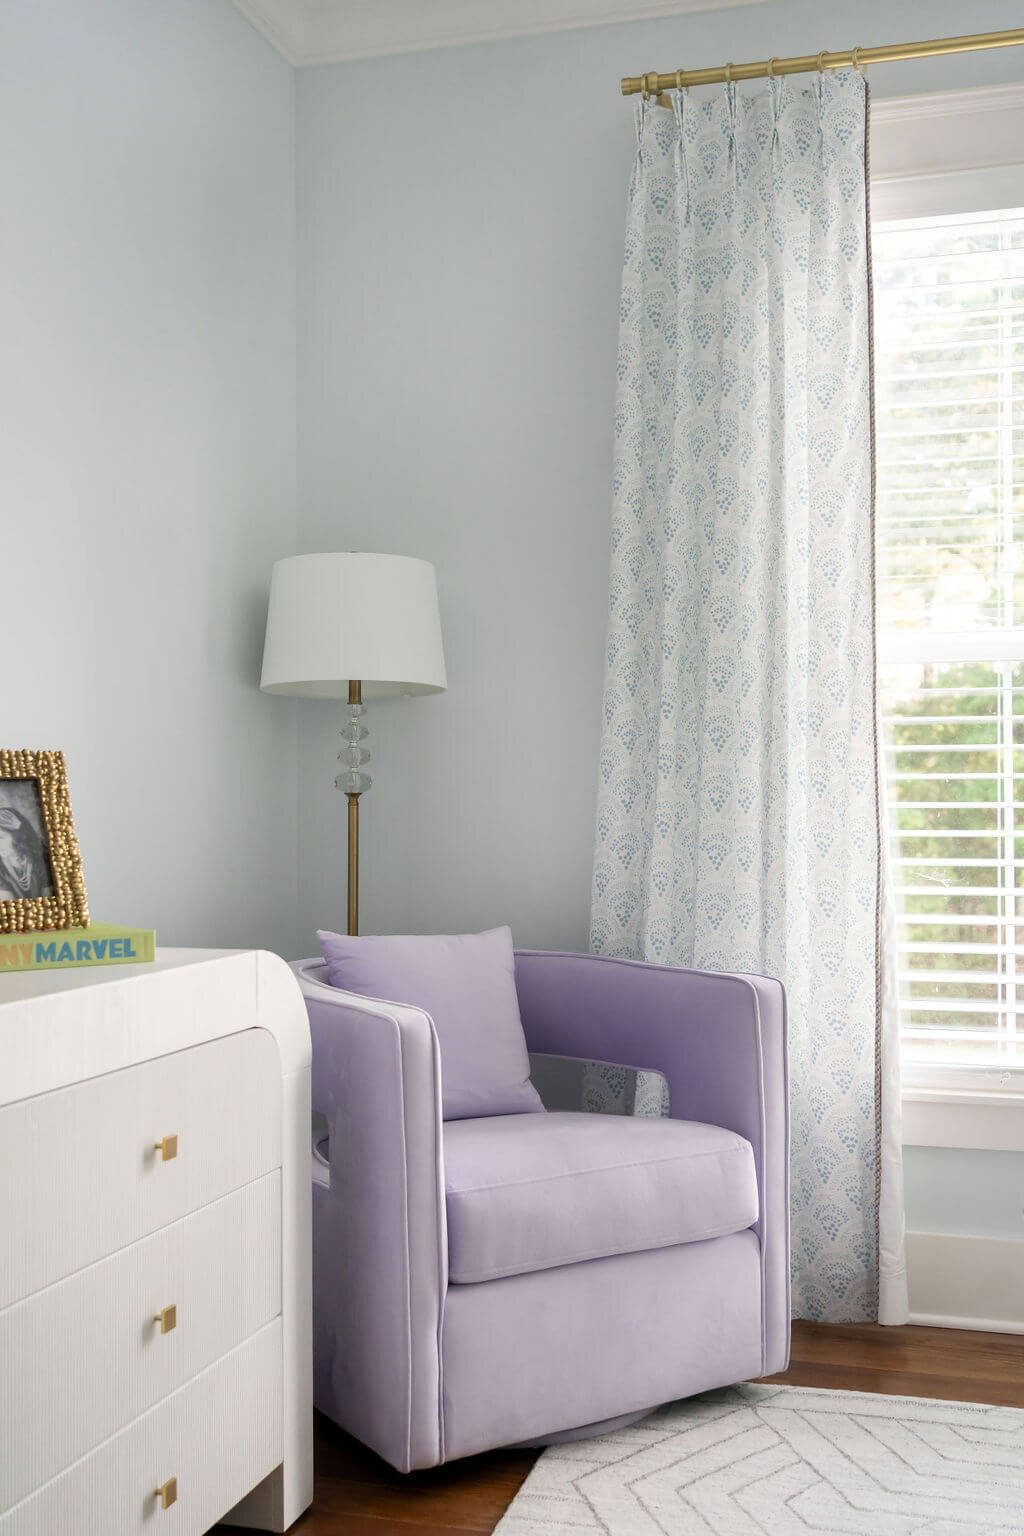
[(467, 985)]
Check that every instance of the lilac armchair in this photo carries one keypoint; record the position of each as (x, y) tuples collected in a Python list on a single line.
[(534, 1277)]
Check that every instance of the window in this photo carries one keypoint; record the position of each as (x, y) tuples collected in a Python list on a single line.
[(949, 361)]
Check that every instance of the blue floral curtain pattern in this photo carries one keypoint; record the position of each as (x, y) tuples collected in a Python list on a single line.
[(737, 822)]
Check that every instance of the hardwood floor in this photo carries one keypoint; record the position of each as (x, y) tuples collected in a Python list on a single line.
[(358, 1495), (911, 1362)]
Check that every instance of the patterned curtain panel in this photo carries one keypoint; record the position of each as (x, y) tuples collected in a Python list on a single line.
[(738, 809)]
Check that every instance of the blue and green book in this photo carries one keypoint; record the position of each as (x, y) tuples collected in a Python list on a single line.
[(99, 944)]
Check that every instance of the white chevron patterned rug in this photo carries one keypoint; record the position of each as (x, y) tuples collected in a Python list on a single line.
[(786, 1460)]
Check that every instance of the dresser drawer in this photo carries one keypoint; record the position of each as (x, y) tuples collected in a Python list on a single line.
[(80, 1172), (218, 1436), (96, 1333)]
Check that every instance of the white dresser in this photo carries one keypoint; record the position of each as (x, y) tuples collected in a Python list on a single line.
[(155, 1353)]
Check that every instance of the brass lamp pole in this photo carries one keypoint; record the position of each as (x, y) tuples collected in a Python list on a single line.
[(355, 702)]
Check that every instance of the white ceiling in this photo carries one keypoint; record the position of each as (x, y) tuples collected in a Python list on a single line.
[(329, 31)]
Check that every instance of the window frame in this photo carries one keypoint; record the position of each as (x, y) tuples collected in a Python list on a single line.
[(950, 153)]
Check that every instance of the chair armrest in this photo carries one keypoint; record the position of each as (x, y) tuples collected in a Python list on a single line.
[(381, 1240), (720, 1040)]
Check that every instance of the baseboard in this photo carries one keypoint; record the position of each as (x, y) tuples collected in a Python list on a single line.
[(974, 1324), (966, 1282)]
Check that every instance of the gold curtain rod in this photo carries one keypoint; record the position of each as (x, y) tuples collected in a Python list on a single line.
[(857, 58)]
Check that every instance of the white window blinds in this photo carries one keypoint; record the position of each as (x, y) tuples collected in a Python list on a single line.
[(949, 360)]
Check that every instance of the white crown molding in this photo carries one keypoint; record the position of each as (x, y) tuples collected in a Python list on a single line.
[(946, 104), (309, 32), (281, 22)]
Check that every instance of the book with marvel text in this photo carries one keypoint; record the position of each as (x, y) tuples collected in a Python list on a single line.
[(99, 944)]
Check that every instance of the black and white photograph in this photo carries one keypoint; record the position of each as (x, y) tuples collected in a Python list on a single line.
[(25, 870)]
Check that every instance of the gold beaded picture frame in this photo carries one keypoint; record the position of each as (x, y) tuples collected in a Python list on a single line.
[(41, 882)]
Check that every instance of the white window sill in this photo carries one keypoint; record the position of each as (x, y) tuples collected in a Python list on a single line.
[(962, 1079)]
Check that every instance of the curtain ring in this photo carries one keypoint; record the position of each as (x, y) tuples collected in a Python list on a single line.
[(821, 55), (649, 84), (728, 74), (858, 66), (679, 81), (771, 68)]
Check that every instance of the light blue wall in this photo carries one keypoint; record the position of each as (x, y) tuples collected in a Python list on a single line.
[(460, 222), (461, 218), (147, 472), (971, 1194)]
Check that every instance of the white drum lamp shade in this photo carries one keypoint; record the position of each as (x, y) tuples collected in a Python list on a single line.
[(338, 617)]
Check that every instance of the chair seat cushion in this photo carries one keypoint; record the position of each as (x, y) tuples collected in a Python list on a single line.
[(527, 1192)]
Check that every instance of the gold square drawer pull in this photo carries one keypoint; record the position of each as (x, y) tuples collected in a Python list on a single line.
[(167, 1148), (167, 1493), (168, 1319)]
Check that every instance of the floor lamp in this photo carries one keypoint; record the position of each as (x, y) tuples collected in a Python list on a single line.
[(355, 627)]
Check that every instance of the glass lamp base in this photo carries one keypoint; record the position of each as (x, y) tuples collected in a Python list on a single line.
[(351, 780)]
